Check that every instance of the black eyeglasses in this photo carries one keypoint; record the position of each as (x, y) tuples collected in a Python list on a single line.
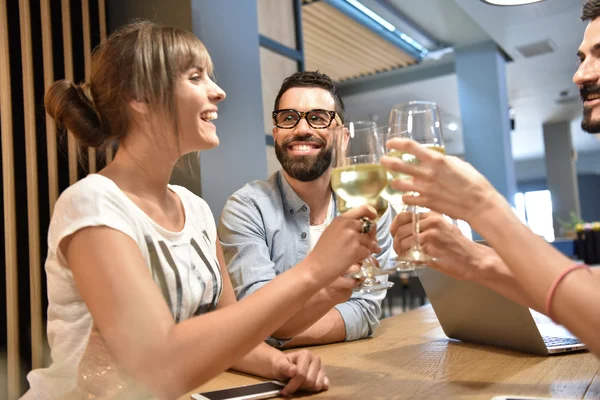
[(317, 119)]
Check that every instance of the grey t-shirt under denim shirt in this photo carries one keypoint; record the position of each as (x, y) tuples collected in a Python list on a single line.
[(265, 230)]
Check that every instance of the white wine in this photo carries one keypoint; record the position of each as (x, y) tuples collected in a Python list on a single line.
[(380, 206), (393, 196), (359, 184), (434, 147)]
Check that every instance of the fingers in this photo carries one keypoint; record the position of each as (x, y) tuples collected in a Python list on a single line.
[(396, 165), (414, 148), (301, 359), (312, 376), (369, 244), (353, 269), (432, 226), (322, 381), (283, 368), (345, 283), (400, 220)]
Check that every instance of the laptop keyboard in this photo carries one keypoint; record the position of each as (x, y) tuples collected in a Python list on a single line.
[(552, 341)]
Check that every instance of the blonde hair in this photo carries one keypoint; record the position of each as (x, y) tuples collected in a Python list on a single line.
[(141, 61)]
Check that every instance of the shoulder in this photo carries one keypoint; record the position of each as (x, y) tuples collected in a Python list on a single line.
[(249, 205), (90, 195), (255, 194), (257, 189), (93, 201)]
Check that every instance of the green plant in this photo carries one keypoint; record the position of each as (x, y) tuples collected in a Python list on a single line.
[(569, 226)]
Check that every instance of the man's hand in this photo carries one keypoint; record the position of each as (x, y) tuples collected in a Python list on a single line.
[(341, 289), (303, 371)]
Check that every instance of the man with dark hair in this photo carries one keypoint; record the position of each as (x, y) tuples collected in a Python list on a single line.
[(587, 77), (267, 227)]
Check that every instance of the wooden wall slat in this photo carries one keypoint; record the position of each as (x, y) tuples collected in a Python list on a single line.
[(102, 16), (33, 218), (51, 148), (69, 75), (87, 62), (10, 228)]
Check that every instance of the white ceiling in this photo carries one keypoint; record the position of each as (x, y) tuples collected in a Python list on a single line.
[(534, 84)]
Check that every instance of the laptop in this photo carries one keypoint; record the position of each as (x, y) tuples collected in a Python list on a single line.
[(473, 313)]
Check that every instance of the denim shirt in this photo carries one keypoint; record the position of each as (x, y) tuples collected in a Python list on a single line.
[(265, 230)]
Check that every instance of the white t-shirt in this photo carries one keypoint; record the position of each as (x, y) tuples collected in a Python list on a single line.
[(183, 264), (317, 230)]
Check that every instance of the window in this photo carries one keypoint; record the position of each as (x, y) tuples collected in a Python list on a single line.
[(535, 210)]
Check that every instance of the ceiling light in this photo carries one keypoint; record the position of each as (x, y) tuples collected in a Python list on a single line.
[(452, 126), (372, 15), (367, 17), (510, 2)]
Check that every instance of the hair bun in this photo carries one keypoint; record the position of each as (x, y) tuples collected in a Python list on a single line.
[(72, 107)]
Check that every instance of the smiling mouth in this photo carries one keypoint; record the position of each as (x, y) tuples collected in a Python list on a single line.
[(303, 147), (209, 116)]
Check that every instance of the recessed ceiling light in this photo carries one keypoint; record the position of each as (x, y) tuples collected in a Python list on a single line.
[(452, 126), (510, 2)]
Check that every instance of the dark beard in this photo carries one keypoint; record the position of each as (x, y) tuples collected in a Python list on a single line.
[(587, 123), (304, 168)]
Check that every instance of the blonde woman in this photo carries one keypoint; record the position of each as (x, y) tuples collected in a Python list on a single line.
[(138, 302)]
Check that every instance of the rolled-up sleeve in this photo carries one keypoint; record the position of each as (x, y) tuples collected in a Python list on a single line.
[(243, 238), (362, 312)]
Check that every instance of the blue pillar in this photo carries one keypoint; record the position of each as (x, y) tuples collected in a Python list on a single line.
[(483, 98), (229, 29)]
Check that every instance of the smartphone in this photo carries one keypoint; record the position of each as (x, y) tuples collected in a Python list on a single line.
[(264, 390), (522, 398)]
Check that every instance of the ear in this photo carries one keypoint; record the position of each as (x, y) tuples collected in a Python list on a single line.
[(346, 138), (274, 132), (139, 107)]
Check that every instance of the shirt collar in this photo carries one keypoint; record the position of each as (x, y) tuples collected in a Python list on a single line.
[(292, 203)]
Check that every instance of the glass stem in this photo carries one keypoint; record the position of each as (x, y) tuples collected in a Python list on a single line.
[(416, 246)]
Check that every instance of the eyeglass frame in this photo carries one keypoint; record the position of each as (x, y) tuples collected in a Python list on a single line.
[(304, 115)]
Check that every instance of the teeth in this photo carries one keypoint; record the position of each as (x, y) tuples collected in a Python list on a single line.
[(209, 116), (302, 147)]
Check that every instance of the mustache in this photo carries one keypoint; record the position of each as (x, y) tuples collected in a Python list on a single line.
[(304, 138), (589, 90)]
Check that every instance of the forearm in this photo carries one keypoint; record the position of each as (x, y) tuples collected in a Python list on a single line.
[(536, 265), (198, 349), (310, 314), (259, 361), (496, 275), (531, 260), (329, 329)]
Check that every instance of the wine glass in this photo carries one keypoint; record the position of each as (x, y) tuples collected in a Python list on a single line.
[(421, 122), (391, 195), (358, 178)]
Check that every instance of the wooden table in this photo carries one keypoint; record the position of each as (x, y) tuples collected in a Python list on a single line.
[(411, 358)]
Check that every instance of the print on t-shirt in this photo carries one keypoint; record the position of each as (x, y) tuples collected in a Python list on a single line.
[(199, 263)]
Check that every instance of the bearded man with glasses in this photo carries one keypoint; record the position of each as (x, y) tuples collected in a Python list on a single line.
[(269, 226)]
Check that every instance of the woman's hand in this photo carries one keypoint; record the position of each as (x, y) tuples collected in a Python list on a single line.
[(445, 184), (343, 244), (303, 371), (457, 256)]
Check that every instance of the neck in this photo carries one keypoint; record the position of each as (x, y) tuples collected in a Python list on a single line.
[(316, 194), (142, 169)]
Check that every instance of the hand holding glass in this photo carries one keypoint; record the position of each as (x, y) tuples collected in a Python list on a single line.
[(358, 178), (420, 121)]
